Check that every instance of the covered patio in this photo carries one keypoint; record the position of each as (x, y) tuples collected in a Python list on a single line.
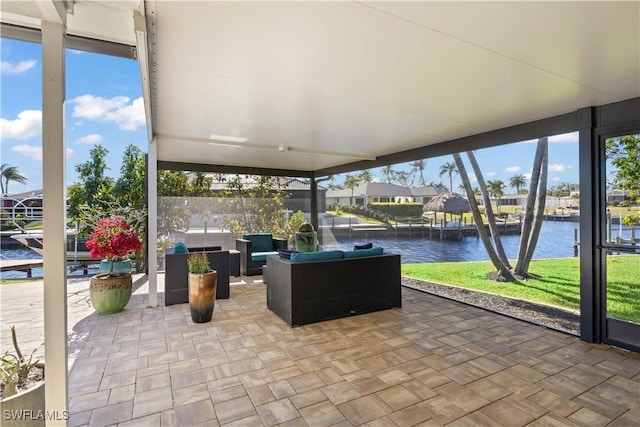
[(310, 89), (431, 362)]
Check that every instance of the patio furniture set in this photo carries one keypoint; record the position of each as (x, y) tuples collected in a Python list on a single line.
[(302, 287)]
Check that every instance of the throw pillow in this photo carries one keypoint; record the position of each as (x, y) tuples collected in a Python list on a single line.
[(285, 253), (364, 253), (180, 248), (364, 246)]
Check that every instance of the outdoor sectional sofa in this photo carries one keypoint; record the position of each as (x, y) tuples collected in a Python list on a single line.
[(327, 285), (176, 276)]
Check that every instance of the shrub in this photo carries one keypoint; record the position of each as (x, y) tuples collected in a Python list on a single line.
[(198, 263)]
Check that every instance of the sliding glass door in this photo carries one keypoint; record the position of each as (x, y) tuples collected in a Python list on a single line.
[(620, 239)]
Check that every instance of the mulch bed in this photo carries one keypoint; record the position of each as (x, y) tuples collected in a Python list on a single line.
[(551, 317)]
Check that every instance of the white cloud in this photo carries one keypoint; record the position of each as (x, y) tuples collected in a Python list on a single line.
[(118, 110), (555, 179), (17, 68), (512, 169), (557, 167), (565, 138), (28, 124), (93, 138), (490, 174), (129, 117), (29, 151), (527, 175), (70, 153)]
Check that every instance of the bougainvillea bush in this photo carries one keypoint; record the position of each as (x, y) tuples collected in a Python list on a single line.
[(113, 239)]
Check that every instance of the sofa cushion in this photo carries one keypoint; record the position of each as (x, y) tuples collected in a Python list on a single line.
[(363, 252), (363, 246), (262, 256), (260, 242), (316, 256), (180, 248)]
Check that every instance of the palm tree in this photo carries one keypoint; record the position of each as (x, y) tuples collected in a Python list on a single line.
[(534, 211), (495, 189), (496, 254), (388, 173), (448, 169), (366, 176), (10, 173), (419, 166), (402, 178), (351, 181), (517, 181)]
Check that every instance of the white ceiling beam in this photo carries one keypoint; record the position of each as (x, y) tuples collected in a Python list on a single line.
[(140, 27), (55, 10)]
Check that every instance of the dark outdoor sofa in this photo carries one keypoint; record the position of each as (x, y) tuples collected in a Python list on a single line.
[(254, 248), (313, 291), (176, 276)]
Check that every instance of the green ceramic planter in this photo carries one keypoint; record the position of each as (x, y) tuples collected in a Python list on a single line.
[(110, 294)]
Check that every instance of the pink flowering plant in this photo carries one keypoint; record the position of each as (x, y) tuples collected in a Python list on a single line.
[(113, 239)]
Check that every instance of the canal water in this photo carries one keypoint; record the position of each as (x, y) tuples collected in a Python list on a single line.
[(556, 241)]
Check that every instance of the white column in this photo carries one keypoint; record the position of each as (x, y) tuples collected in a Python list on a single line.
[(54, 223), (152, 232)]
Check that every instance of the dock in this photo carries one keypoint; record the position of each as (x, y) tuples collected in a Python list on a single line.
[(419, 229), (25, 265)]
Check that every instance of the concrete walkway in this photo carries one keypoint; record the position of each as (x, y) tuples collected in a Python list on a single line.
[(432, 362)]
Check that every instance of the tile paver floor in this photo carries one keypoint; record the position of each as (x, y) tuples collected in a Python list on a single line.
[(432, 362)]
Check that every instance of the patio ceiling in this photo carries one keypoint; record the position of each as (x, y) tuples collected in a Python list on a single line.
[(315, 85)]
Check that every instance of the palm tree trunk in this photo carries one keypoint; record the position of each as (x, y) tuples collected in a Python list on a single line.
[(539, 214), (503, 270), (491, 219), (527, 224)]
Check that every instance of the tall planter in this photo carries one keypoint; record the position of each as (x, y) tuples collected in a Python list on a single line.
[(202, 296), (110, 294)]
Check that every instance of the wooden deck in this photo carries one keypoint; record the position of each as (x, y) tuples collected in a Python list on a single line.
[(426, 230), (25, 265)]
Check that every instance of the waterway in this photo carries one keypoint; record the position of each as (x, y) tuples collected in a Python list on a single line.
[(556, 241)]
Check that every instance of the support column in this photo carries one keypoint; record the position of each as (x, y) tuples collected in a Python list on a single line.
[(590, 264), (314, 202), (54, 222), (152, 231)]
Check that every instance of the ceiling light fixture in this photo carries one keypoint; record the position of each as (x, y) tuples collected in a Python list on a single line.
[(226, 138)]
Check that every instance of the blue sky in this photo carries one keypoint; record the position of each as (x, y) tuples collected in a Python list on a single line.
[(104, 106)]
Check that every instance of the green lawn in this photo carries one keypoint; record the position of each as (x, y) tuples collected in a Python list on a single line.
[(558, 284)]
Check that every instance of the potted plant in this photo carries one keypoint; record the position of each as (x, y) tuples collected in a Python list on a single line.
[(22, 392), (112, 239), (202, 287)]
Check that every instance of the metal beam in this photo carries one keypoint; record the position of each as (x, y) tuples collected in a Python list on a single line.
[(75, 42), (550, 126), (199, 167)]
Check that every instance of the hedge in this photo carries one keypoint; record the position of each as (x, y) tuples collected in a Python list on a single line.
[(398, 209)]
